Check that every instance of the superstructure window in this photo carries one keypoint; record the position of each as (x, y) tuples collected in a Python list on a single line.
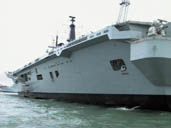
[(24, 77), (16, 82), (51, 75), (57, 74), (117, 64), (39, 77)]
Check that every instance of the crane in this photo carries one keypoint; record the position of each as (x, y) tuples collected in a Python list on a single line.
[(123, 13)]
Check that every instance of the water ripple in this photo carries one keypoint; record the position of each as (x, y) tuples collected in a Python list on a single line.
[(18, 112)]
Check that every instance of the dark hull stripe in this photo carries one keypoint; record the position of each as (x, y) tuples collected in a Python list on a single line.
[(157, 102)]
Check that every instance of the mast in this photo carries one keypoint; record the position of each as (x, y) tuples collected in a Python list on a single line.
[(56, 41), (72, 29), (123, 13)]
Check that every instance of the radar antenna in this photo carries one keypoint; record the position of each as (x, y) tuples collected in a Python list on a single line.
[(123, 13), (72, 19), (72, 29)]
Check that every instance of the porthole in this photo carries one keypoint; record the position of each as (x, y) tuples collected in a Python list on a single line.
[(118, 64), (39, 77)]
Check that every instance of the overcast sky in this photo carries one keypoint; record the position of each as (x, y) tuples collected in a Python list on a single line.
[(27, 26)]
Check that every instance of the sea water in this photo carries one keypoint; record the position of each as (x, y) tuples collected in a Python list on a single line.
[(20, 112)]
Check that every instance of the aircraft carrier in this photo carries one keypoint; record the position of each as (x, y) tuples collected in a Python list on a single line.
[(125, 64)]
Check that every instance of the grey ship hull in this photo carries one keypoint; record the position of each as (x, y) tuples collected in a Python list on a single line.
[(85, 74)]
